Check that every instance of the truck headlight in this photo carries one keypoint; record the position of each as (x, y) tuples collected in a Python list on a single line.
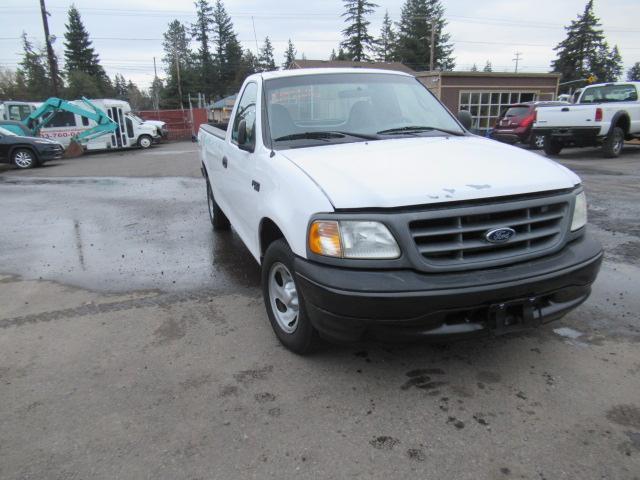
[(579, 212), (352, 239)]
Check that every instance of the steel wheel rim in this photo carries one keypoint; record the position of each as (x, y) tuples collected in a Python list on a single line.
[(539, 141), (145, 142), (618, 143), (23, 159), (283, 297)]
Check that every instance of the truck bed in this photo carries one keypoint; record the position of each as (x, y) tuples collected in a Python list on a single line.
[(214, 130)]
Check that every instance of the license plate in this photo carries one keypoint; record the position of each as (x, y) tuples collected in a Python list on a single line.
[(514, 316)]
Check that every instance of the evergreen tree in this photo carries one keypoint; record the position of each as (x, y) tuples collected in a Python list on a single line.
[(10, 86), (414, 35), (333, 55), (201, 31), (633, 75), (386, 44), (357, 41), (474, 68), (488, 67), (289, 56), (585, 52), (607, 64), (266, 59), (80, 56), (342, 55), (32, 73), (120, 87), (228, 51), (177, 53)]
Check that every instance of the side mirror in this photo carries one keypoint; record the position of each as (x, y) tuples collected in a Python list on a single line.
[(465, 119), (242, 133), (243, 144)]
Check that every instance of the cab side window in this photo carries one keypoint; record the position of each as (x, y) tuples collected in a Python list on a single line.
[(62, 119), (246, 111)]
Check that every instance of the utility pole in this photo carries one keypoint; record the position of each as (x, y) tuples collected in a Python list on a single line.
[(175, 54), (517, 60), (255, 37), (53, 68), (433, 46), (156, 100)]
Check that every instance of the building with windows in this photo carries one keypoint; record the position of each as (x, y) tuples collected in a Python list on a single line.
[(485, 94)]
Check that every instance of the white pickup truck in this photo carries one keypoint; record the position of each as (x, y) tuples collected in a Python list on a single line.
[(604, 115), (373, 210)]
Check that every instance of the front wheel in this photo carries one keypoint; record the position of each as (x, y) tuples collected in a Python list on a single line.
[(283, 300), (612, 146), (24, 158), (145, 141), (552, 146)]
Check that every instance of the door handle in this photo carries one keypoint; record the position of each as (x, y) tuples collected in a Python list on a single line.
[(565, 109), (255, 185), (224, 162)]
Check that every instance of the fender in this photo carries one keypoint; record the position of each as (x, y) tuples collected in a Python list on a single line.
[(27, 146), (620, 115)]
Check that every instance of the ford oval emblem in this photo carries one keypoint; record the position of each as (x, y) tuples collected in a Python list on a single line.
[(500, 235)]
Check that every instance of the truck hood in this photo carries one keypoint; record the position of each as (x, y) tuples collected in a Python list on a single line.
[(426, 170)]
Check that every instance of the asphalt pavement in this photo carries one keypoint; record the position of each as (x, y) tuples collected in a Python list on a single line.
[(134, 344)]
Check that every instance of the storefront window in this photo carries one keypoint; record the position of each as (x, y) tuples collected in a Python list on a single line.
[(485, 107)]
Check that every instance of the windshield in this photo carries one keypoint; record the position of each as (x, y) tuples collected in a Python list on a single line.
[(610, 93), (4, 131), (135, 117), (338, 108), (516, 112)]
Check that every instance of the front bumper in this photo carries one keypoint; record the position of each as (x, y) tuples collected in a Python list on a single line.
[(344, 304), (48, 153), (510, 136)]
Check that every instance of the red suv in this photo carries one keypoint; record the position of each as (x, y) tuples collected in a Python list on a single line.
[(515, 122)]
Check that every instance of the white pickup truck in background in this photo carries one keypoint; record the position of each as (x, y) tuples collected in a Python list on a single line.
[(604, 115), (372, 210)]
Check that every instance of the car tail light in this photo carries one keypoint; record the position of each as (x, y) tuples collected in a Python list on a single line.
[(528, 120), (598, 114)]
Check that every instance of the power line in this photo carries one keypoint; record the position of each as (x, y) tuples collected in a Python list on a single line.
[(329, 16)]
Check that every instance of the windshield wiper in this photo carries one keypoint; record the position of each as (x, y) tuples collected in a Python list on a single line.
[(416, 129), (324, 135)]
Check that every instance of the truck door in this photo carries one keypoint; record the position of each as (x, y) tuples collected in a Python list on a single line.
[(236, 176)]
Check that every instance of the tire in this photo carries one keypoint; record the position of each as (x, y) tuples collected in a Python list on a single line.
[(219, 220), (614, 143), (536, 142), (24, 158), (284, 302), (145, 141), (551, 146)]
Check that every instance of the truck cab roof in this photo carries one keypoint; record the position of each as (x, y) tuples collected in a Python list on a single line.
[(323, 71)]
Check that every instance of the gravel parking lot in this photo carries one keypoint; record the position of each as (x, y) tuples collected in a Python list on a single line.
[(134, 344)]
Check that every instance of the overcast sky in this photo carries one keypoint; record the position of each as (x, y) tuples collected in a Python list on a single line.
[(127, 33)]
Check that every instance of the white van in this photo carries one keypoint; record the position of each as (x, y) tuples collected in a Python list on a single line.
[(15, 110), (63, 126)]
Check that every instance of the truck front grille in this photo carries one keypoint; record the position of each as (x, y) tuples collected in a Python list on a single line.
[(456, 239)]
